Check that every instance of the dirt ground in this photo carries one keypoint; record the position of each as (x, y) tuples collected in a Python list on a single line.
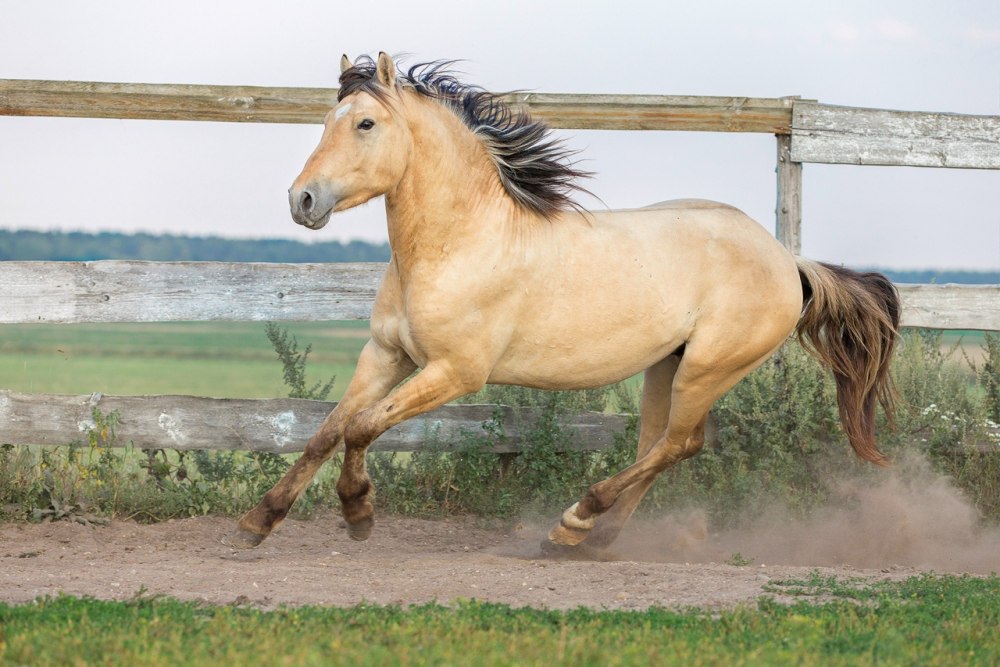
[(405, 561), (910, 520)]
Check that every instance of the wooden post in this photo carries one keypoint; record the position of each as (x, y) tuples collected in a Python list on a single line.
[(788, 211)]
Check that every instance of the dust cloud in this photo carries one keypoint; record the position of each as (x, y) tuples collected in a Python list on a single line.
[(907, 515)]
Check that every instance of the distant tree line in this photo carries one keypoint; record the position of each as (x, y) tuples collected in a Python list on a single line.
[(941, 276), (24, 245)]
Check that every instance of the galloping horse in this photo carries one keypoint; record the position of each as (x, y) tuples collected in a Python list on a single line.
[(497, 276)]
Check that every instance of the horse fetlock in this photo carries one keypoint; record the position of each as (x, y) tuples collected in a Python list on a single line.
[(572, 519), (353, 491), (261, 520)]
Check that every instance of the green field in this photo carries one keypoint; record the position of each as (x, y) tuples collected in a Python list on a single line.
[(927, 620), (221, 359)]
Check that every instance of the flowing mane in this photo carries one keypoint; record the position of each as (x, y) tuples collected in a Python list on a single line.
[(535, 169)]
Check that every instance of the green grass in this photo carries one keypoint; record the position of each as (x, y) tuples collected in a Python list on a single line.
[(222, 359), (927, 620)]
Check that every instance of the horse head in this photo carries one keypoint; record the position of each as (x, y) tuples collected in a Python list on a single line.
[(362, 152)]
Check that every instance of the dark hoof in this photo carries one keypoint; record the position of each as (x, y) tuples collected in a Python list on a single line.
[(243, 539), (361, 530)]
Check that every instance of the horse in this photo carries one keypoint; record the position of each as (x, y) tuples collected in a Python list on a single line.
[(498, 276)]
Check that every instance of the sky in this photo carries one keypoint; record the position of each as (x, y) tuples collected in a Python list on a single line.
[(230, 179)]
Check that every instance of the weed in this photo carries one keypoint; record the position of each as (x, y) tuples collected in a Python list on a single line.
[(739, 560), (293, 364)]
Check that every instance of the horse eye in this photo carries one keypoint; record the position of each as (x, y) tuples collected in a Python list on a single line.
[(366, 124)]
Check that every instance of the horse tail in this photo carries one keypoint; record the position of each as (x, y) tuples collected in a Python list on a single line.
[(850, 321)]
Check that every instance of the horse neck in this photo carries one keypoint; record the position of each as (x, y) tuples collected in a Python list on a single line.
[(450, 194)]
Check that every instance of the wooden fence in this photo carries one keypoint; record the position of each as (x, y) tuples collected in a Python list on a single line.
[(127, 291)]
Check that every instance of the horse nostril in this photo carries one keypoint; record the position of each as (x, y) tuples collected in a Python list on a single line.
[(306, 202)]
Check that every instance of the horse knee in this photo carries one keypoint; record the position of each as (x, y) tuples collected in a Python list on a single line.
[(359, 432), (321, 446)]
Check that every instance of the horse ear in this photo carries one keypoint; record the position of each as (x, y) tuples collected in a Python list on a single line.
[(345, 63), (386, 70)]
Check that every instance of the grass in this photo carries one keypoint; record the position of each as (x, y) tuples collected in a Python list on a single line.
[(226, 360), (927, 620)]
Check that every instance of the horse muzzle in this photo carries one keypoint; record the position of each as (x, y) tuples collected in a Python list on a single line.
[(312, 205)]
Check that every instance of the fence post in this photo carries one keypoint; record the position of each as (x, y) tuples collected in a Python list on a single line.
[(788, 211)]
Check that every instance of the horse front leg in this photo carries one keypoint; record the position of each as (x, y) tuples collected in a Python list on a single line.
[(379, 370), (432, 387)]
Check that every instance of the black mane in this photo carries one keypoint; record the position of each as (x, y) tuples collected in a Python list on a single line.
[(535, 169)]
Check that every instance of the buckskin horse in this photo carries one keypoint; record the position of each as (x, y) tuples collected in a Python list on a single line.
[(497, 276)]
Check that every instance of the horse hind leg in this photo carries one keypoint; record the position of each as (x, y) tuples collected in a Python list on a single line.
[(698, 383), (654, 412), (610, 524)]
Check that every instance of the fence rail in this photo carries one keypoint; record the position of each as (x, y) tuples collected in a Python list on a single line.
[(280, 425), (847, 135), (128, 291), (254, 104)]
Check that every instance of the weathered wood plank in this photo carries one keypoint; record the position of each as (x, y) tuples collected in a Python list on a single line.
[(283, 426), (847, 135), (132, 291), (88, 99), (660, 112), (310, 105), (264, 425), (974, 307), (127, 291)]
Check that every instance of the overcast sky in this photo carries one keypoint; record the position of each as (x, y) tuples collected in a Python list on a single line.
[(230, 179)]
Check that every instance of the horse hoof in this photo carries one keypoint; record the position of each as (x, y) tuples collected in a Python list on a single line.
[(361, 530), (567, 536), (242, 539)]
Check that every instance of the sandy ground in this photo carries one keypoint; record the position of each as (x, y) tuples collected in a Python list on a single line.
[(406, 561)]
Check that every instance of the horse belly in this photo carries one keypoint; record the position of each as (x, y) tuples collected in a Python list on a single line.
[(592, 353)]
